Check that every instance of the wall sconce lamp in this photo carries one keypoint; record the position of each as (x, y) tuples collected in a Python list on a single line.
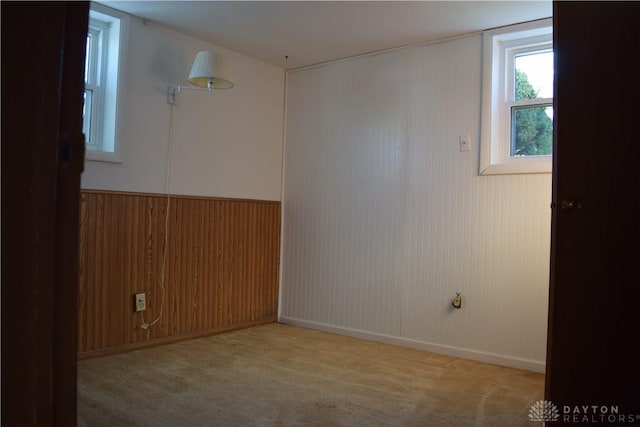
[(209, 71)]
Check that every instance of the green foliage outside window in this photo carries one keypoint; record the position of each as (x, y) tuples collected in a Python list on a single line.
[(533, 131)]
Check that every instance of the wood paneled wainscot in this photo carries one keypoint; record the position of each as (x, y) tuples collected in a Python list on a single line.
[(221, 268)]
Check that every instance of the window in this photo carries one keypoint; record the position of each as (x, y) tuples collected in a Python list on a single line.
[(104, 65), (517, 93)]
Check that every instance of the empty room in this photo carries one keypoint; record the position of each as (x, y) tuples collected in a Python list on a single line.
[(327, 213)]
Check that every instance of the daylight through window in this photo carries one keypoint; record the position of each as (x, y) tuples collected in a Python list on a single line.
[(105, 47), (517, 110)]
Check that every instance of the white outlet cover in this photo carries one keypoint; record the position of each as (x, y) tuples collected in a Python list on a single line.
[(141, 302)]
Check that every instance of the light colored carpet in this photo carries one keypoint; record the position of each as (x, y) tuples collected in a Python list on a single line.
[(279, 375)]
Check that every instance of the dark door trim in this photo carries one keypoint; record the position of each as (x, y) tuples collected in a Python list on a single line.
[(42, 157)]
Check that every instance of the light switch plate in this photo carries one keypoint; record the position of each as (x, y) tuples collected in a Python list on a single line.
[(465, 142)]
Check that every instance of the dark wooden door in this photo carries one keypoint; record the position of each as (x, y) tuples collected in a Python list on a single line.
[(43, 48), (593, 355)]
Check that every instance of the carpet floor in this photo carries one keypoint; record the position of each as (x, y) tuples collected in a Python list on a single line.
[(279, 375)]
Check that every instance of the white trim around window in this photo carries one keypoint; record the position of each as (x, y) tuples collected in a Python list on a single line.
[(500, 47), (104, 82)]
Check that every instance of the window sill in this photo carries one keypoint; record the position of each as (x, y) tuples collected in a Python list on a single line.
[(102, 156), (519, 166)]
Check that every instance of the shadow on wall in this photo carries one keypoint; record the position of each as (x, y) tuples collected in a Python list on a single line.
[(170, 65)]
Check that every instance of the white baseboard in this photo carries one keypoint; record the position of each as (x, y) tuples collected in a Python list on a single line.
[(496, 359)]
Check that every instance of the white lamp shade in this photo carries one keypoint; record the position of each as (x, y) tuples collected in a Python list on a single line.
[(210, 70)]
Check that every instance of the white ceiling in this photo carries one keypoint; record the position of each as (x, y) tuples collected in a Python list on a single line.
[(311, 32)]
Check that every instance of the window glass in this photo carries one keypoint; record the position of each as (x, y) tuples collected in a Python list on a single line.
[(517, 99), (87, 59), (86, 116), (534, 75), (532, 131), (106, 46)]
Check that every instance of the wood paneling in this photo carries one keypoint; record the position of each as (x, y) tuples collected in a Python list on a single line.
[(221, 268)]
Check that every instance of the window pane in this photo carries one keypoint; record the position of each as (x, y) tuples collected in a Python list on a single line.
[(87, 59), (86, 115), (531, 130), (534, 75)]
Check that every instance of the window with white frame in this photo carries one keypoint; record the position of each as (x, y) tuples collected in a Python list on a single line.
[(517, 93), (106, 47)]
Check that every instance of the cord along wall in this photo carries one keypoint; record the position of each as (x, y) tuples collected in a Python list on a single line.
[(221, 270), (227, 143), (224, 178)]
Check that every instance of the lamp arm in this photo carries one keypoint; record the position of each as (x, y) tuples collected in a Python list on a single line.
[(173, 91)]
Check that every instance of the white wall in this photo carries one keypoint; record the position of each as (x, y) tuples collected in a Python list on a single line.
[(385, 219), (227, 143)]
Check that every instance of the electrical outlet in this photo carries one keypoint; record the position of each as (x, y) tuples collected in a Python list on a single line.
[(140, 301), (457, 301)]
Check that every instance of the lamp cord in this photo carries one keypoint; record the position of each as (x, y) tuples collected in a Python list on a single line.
[(167, 184)]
